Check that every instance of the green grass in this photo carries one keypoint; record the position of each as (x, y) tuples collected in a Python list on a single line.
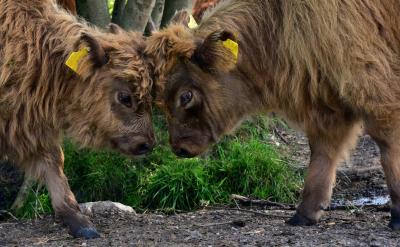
[(37, 204), (246, 164)]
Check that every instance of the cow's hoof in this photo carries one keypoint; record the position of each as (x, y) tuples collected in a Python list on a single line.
[(86, 233), (299, 220), (395, 220), (395, 225)]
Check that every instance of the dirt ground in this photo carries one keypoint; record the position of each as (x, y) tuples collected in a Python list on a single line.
[(360, 177), (339, 228)]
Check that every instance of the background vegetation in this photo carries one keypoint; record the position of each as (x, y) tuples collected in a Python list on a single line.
[(131, 14), (246, 163)]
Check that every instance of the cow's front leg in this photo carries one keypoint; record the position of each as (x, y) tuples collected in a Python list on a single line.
[(328, 148), (50, 170)]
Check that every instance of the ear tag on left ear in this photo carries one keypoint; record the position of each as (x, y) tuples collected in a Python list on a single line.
[(233, 47), (74, 58), (192, 23)]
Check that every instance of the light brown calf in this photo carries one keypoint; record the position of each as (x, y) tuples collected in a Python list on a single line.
[(104, 103)]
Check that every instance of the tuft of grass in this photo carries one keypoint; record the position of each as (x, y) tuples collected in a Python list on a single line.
[(98, 175), (182, 185), (37, 203), (246, 164), (256, 169)]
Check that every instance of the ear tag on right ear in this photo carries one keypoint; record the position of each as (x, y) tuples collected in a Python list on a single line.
[(192, 23), (233, 47), (74, 58)]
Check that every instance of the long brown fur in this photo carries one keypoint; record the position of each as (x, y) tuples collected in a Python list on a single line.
[(326, 66), (42, 100)]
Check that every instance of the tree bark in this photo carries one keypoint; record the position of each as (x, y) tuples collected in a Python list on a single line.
[(157, 13), (82, 9), (118, 11), (137, 14), (98, 12), (171, 6)]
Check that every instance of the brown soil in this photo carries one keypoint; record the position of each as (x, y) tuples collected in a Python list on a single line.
[(354, 226)]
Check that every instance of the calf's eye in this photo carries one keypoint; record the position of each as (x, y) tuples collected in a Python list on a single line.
[(186, 98), (125, 99)]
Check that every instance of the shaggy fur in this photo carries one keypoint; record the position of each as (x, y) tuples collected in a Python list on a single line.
[(105, 105), (327, 66)]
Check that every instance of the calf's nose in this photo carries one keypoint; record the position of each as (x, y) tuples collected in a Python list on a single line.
[(144, 148)]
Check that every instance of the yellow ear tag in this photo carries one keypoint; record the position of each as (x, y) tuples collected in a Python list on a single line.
[(192, 23), (74, 58), (233, 47)]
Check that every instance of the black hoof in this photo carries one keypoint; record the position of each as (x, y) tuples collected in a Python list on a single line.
[(299, 220), (395, 220), (86, 233), (395, 225)]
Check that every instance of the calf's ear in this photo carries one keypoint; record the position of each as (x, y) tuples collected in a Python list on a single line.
[(213, 54), (114, 28), (97, 54), (181, 17)]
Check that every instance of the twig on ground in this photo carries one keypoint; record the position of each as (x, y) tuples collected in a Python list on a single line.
[(276, 132), (247, 201), (238, 223), (8, 213), (250, 211)]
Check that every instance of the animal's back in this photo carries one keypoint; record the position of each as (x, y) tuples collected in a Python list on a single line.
[(310, 54), (347, 49)]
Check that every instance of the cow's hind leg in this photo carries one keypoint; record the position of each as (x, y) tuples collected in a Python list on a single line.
[(328, 148), (387, 135), (50, 170)]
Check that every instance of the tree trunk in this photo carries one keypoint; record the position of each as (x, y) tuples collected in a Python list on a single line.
[(171, 6), (82, 9), (157, 13), (98, 12), (137, 14), (118, 11)]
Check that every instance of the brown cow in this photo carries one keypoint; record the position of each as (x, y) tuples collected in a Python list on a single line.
[(327, 66), (103, 103)]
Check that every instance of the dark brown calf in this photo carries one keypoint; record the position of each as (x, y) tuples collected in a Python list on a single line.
[(326, 66), (101, 101)]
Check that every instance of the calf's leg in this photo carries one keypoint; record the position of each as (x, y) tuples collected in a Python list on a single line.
[(328, 148), (50, 170)]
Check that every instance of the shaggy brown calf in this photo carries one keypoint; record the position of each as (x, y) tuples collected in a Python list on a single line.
[(327, 66), (104, 103)]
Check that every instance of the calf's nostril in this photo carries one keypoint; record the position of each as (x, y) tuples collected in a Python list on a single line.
[(181, 152), (144, 148)]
